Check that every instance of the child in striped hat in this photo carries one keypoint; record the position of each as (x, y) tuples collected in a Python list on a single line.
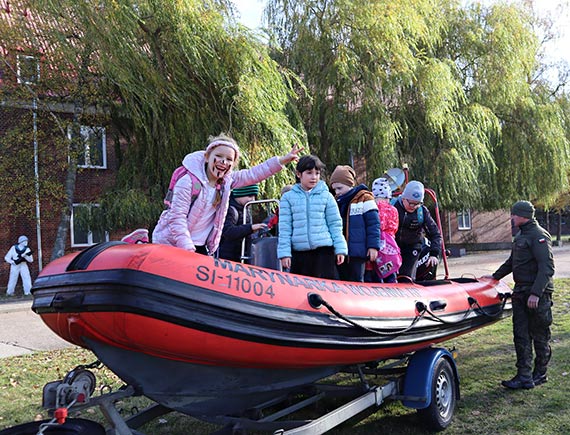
[(235, 231)]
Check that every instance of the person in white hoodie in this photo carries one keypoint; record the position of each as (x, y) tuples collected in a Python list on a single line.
[(18, 257)]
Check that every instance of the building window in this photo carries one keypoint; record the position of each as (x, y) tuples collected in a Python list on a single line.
[(464, 219), (93, 152), (28, 69), (81, 233)]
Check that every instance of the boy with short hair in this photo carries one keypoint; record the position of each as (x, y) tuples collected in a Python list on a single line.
[(310, 227)]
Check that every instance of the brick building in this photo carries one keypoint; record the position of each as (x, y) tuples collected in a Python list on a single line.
[(472, 230), (36, 127), (39, 218)]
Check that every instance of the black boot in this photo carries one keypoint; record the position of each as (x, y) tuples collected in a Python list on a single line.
[(518, 383), (539, 378), (540, 364)]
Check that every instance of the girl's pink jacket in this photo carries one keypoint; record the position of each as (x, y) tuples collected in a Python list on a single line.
[(173, 227), (389, 219)]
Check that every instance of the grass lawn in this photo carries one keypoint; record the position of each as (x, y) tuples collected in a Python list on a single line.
[(485, 358)]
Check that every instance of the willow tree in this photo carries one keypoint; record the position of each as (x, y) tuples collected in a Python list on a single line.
[(503, 70), (354, 56), (172, 74), (427, 83), (45, 91)]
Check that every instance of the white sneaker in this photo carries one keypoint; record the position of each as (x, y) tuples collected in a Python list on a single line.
[(139, 235)]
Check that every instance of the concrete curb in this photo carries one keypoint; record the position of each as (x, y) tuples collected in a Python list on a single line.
[(12, 306)]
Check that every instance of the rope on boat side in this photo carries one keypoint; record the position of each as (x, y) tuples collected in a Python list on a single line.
[(316, 301), (433, 316), (502, 296)]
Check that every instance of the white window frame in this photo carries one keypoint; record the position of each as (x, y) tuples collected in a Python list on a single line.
[(86, 132), (464, 219), (20, 60), (90, 241)]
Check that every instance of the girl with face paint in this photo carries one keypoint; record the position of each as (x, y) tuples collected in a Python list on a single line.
[(200, 199)]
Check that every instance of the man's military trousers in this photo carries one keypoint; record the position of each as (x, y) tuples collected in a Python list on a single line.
[(531, 327)]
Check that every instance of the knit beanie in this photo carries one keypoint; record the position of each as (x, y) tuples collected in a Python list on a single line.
[(523, 209), (252, 190), (381, 188), (343, 174), (414, 191), (226, 141)]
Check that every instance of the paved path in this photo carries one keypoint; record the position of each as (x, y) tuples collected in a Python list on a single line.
[(22, 331), (485, 263)]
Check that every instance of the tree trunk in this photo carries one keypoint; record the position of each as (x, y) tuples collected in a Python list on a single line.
[(324, 139), (559, 228), (63, 227)]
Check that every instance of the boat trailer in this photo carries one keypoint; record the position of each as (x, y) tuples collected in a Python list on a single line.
[(426, 380)]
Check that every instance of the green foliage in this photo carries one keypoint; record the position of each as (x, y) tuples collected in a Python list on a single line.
[(453, 91), (183, 72), (353, 57), (531, 152), (17, 172), (535, 138), (166, 75), (445, 88), (126, 209)]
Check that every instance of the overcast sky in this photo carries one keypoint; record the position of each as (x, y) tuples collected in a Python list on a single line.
[(250, 11)]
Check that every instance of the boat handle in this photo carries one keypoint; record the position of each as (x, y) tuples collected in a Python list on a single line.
[(61, 301), (315, 300), (437, 305)]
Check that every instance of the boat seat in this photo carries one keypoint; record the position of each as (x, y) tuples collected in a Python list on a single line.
[(464, 280), (433, 282), (264, 253)]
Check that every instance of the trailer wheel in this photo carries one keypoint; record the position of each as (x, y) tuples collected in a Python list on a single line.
[(440, 411), (73, 426)]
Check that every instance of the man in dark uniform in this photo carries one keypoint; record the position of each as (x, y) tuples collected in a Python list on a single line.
[(532, 265)]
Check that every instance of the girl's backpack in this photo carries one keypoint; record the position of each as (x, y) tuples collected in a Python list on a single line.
[(389, 258), (177, 175)]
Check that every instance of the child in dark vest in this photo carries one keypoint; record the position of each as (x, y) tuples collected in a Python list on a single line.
[(360, 222)]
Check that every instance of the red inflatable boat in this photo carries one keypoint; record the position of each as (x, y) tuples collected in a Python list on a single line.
[(207, 336)]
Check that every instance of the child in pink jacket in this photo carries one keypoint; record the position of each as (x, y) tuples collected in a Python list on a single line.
[(389, 222), (194, 221)]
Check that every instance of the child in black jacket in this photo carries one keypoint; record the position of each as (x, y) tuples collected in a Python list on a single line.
[(234, 229), (415, 224)]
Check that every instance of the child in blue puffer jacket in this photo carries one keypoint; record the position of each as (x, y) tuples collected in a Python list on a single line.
[(310, 227), (361, 224)]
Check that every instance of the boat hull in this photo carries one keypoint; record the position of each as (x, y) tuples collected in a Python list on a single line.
[(229, 335), (204, 391)]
